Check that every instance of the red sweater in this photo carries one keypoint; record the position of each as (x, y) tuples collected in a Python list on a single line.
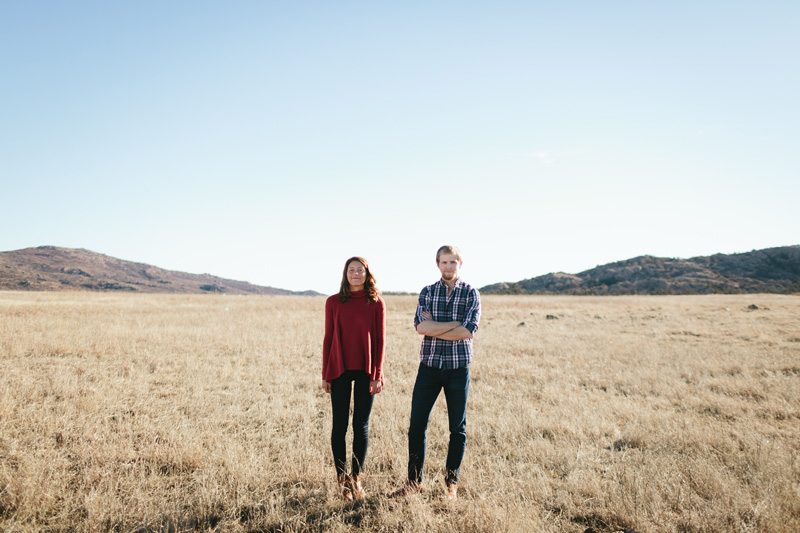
[(355, 336)]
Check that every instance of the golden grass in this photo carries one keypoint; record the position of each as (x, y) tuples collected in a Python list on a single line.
[(169, 413)]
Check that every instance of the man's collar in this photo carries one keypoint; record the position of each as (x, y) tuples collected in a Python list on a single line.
[(456, 283)]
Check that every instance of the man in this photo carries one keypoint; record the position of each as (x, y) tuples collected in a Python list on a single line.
[(447, 315)]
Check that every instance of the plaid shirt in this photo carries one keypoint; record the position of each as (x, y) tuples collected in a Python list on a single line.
[(463, 305)]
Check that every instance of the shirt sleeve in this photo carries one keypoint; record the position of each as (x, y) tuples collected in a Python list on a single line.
[(473, 315), (422, 305)]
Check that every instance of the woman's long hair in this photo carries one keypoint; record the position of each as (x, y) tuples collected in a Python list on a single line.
[(369, 283)]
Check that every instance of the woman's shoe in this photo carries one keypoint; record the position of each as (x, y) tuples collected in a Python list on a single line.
[(358, 489), (452, 491), (344, 487)]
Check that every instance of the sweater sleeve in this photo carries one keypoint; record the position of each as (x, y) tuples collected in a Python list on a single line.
[(328, 341), (379, 348)]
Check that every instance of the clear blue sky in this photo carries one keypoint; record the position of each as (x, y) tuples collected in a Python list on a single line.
[(268, 141)]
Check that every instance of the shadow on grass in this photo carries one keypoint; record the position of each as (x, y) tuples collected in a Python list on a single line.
[(319, 520), (169, 525), (310, 512), (595, 523)]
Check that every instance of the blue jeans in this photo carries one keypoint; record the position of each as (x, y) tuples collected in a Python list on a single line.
[(362, 406), (430, 381)]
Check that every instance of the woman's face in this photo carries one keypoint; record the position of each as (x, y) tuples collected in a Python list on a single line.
[(356, 275)]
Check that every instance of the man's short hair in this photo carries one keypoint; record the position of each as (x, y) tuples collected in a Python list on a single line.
[(449, 249)]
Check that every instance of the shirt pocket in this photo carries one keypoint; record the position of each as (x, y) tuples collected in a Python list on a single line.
[(458, 309)]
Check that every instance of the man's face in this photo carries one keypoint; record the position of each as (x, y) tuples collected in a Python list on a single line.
[(449, 265)]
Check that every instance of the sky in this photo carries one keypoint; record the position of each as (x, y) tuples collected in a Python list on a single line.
[(269, 141)]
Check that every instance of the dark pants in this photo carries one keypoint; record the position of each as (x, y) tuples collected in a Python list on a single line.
[(362, 406), (430, 381)]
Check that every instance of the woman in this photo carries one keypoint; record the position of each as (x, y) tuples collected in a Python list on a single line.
[(352, 355)]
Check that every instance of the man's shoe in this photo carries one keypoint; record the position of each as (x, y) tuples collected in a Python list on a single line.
[(452, 491), (410, 487), (344, 487), (357, 488)]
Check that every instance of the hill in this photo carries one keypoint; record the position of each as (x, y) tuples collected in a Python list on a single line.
[(50, 268), (772, 270)]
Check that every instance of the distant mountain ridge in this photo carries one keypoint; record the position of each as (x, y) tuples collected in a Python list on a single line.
[(51, 268), (771, 270)]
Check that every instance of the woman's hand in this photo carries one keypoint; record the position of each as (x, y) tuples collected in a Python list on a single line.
[(375, 387), (326, 386)]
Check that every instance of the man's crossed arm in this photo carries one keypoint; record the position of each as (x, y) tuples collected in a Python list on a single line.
[(447, 331)]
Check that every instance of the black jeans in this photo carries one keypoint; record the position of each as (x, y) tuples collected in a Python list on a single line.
[(362, 406), (430, 381)]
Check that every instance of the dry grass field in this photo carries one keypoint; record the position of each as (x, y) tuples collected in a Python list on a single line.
[(142, 413)]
